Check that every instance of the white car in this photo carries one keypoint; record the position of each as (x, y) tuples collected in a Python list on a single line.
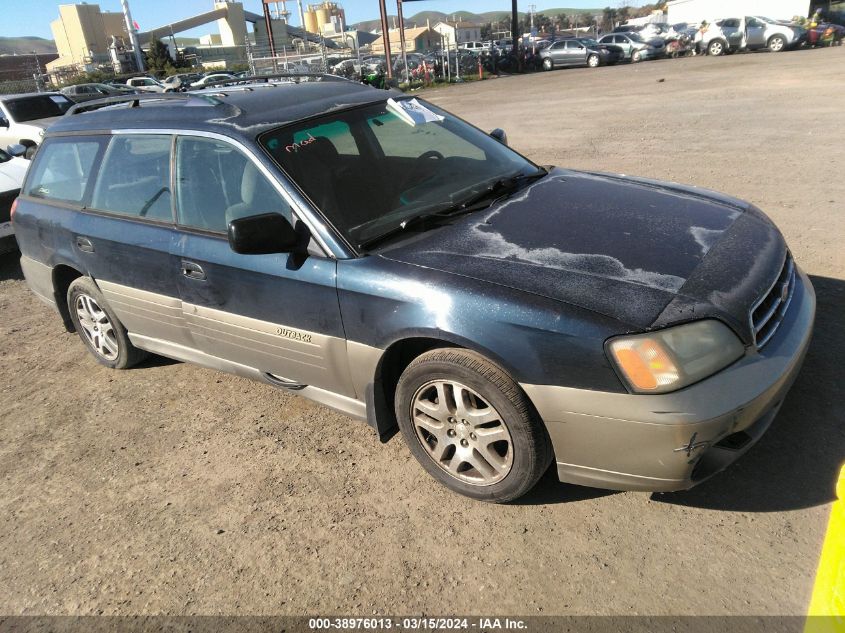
[(476, 47), (201, 83), (12, 171), (24, 117), (147, 84)]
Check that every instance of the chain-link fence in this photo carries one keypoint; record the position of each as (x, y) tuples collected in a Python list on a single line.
[(16, 86)]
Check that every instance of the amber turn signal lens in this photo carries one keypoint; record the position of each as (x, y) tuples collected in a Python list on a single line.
[(646, 364)]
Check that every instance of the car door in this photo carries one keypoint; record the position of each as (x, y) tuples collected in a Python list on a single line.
[(625, 44), (755, 33), (121, 231), (557, 52), (575, 53), (276, 313)]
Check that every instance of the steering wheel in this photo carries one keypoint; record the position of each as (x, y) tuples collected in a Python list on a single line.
[(432, 153), (414, 176)]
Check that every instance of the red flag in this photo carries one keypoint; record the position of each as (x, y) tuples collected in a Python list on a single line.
[(135, 24)]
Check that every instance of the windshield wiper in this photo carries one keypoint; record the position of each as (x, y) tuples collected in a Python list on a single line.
[(480, 200), (493, 191)]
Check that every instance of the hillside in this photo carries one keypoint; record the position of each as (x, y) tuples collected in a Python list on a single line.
[(419, 19), (25, 45)]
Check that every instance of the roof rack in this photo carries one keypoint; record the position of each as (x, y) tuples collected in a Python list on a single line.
[(135, 100), (251, 79)]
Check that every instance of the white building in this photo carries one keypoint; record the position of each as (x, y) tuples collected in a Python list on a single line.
[(694, 11), (458, 32)]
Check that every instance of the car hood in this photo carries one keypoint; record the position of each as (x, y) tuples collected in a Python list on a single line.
[(41, 124), (643, 252), (12, 173)]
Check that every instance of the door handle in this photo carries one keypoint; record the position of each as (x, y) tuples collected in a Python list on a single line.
[(84, 244), (193, 271)]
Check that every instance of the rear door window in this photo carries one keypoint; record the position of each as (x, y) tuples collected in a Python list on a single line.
[(62, 168), (135, 177)]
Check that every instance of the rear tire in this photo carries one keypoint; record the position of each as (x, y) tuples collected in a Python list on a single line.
[(716, 48), (471, 426), (98, 327)]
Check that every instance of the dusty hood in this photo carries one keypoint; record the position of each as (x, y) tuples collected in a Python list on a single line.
[(621, 247), (12, 173), (41, 124)]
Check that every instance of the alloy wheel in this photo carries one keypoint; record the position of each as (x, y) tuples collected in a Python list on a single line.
[(97, 327), (776, 44), (462, 433)]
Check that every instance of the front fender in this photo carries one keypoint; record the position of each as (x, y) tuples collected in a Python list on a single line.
[(535, 339)]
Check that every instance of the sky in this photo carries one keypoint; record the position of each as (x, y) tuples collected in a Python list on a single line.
[(33, 17)]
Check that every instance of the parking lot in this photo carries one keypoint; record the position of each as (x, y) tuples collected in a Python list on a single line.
[(173, 489)]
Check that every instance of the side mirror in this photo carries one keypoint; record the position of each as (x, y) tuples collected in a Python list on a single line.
[(499, 135), (16, 150), (262, 234), (4, 122)]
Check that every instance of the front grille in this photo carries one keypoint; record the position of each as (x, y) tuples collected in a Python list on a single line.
[(769, 311)]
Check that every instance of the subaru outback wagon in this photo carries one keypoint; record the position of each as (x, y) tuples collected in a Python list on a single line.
[(383, 257)]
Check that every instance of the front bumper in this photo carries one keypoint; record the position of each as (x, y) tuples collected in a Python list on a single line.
[(674, 441)]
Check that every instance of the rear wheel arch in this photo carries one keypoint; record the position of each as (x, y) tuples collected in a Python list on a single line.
[(63, 276)]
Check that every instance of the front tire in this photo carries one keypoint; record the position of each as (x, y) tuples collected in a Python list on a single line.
[(470, 425), (30, 152), (593, 61), (635, 57), (548, 64), (98, 327), (777, 43)]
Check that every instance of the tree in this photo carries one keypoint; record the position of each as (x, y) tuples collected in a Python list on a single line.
[(158, 57)]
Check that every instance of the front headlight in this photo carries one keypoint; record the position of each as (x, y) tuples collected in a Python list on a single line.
[(670, 359)]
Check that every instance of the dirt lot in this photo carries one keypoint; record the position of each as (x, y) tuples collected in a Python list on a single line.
[(172, 489)]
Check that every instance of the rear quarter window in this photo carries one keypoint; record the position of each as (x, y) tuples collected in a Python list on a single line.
[(62, 169)]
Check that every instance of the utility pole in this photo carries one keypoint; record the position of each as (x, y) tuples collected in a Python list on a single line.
[(402, 40), (514, 27), (133, 35), (385, 36)]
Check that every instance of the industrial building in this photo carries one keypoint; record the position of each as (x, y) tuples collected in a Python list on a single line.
[(325, 18), (84, 35)]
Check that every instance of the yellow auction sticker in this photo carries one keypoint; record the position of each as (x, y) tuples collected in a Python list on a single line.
[(827, 606)]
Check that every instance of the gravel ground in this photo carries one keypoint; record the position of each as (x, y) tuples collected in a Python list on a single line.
[(173, 489)]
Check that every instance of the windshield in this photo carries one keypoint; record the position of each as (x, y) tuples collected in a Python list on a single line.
[(38, 107), (635, 37), (586, 41), (763, 19), (369, 169)]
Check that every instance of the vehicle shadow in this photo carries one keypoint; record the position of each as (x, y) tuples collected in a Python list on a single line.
[(549, 490), (796, 464), (10, 266)]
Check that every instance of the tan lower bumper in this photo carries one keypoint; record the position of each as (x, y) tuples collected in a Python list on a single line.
[(677, 440)]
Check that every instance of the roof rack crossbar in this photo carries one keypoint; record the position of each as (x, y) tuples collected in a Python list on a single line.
[(135, 100), (267, 78)]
